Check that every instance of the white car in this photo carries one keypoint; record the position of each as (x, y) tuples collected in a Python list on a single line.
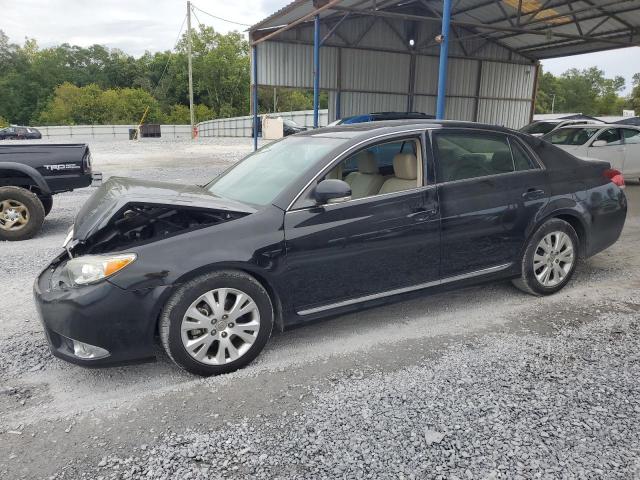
[(542, 127), (617, 144)]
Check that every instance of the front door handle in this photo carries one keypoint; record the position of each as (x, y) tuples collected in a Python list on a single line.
[(421, 214), (533, 194)]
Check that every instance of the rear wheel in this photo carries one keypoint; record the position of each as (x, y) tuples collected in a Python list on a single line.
[(21, 213), (216, 323), (549, 259)]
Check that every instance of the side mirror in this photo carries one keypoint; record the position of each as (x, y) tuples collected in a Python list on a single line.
[(332, 191), (599, 143)]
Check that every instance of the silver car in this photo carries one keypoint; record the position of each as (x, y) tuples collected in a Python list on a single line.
[(617, 144)]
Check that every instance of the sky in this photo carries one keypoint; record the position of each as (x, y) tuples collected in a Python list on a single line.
[(138, 25)]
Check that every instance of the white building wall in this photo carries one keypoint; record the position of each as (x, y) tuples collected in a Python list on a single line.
[(485, 82)]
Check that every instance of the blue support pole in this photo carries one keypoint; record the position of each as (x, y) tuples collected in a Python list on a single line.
[(255, 97), (316, 69), (444, 56)]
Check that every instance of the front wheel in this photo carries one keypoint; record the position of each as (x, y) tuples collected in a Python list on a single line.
[(549, 259), (216, 323), (21, 213)]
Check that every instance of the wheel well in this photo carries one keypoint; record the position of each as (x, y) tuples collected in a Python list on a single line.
[(273, 295), (578, 227), (13, 178)]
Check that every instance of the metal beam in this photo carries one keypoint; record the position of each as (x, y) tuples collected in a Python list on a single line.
[(616, 33), (302, 19), (255, 97), (334, 28), (316, 69), (444, 57), (495, 28), (576, 11), (575, 18)]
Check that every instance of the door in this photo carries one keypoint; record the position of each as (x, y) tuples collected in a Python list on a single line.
[(612, 150), (481, 201), (366, 246), (631, 166)]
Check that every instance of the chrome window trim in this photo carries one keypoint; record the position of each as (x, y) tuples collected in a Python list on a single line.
[(357, 200), (351, 148), (398, 291)]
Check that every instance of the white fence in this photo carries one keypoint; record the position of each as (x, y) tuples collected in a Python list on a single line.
[(221, 127), (108, 131), (243, 126)]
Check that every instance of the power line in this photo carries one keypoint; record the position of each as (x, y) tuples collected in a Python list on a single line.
[(220, 18), (166, 65)]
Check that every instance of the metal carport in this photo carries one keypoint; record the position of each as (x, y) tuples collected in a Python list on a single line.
[(461, 59)]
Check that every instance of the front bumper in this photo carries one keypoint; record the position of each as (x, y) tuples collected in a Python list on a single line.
[(120, 321)]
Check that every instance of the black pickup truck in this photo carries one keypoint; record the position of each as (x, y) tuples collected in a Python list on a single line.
[(29, 177)]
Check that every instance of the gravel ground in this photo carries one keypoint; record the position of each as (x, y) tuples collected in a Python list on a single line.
[(484, 382)]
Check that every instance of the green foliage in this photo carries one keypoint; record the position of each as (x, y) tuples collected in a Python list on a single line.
[(90, 105), (72, 85), (634, 99), (3, 122), (67, 84), (582, 91), (179, 114)]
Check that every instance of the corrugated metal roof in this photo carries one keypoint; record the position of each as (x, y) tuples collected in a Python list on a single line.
[(593, 24)]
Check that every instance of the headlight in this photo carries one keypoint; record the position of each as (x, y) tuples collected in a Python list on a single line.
[(68, 238), (93, 268)]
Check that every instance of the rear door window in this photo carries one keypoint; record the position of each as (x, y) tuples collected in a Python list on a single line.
[(464, 155), (611, 135), (521, 159), (631, 136)]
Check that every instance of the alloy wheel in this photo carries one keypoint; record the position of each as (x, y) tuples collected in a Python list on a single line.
[(14, 215), (553, 259), (220, 326)]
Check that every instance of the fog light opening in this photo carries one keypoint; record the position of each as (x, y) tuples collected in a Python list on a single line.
[(89, 352)]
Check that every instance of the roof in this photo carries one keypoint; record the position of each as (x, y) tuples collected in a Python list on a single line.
[(391, 126), (542, 28)]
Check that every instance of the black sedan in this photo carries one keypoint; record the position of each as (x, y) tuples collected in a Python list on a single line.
[(320, 223), (20, 133)]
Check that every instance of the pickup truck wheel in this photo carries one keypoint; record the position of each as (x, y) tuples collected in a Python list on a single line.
[(216, 323), (47, 204), (549, 259), (21, 213)]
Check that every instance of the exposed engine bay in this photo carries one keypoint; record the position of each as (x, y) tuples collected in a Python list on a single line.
[(137, 224)]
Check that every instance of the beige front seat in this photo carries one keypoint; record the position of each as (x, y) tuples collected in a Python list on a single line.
[(367, 180), (405, 167)]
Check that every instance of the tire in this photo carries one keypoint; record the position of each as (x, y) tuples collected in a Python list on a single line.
[(21, 214), (560, 261), (214, 326), (47, 203)]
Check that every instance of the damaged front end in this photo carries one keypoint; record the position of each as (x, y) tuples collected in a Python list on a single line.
[(140, 223), (126, 212)]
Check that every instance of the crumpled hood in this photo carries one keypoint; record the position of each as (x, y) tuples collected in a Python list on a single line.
[(114, 194)]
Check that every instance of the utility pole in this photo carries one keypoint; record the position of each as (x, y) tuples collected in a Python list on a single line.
[(191, 115)]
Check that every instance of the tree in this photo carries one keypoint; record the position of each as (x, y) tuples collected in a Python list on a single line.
[(585, 91), (634, 98)]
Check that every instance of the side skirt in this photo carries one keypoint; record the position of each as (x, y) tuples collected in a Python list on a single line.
[(398, 291)]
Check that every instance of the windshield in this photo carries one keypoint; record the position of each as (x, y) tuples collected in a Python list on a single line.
[(539, 127), (290, 123), (263, 175), (570, 136)]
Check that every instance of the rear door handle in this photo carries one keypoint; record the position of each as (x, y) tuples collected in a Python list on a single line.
[(533, 193)]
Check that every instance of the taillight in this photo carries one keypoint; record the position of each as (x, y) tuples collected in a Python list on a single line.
[(614, 176), (87, 162)]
